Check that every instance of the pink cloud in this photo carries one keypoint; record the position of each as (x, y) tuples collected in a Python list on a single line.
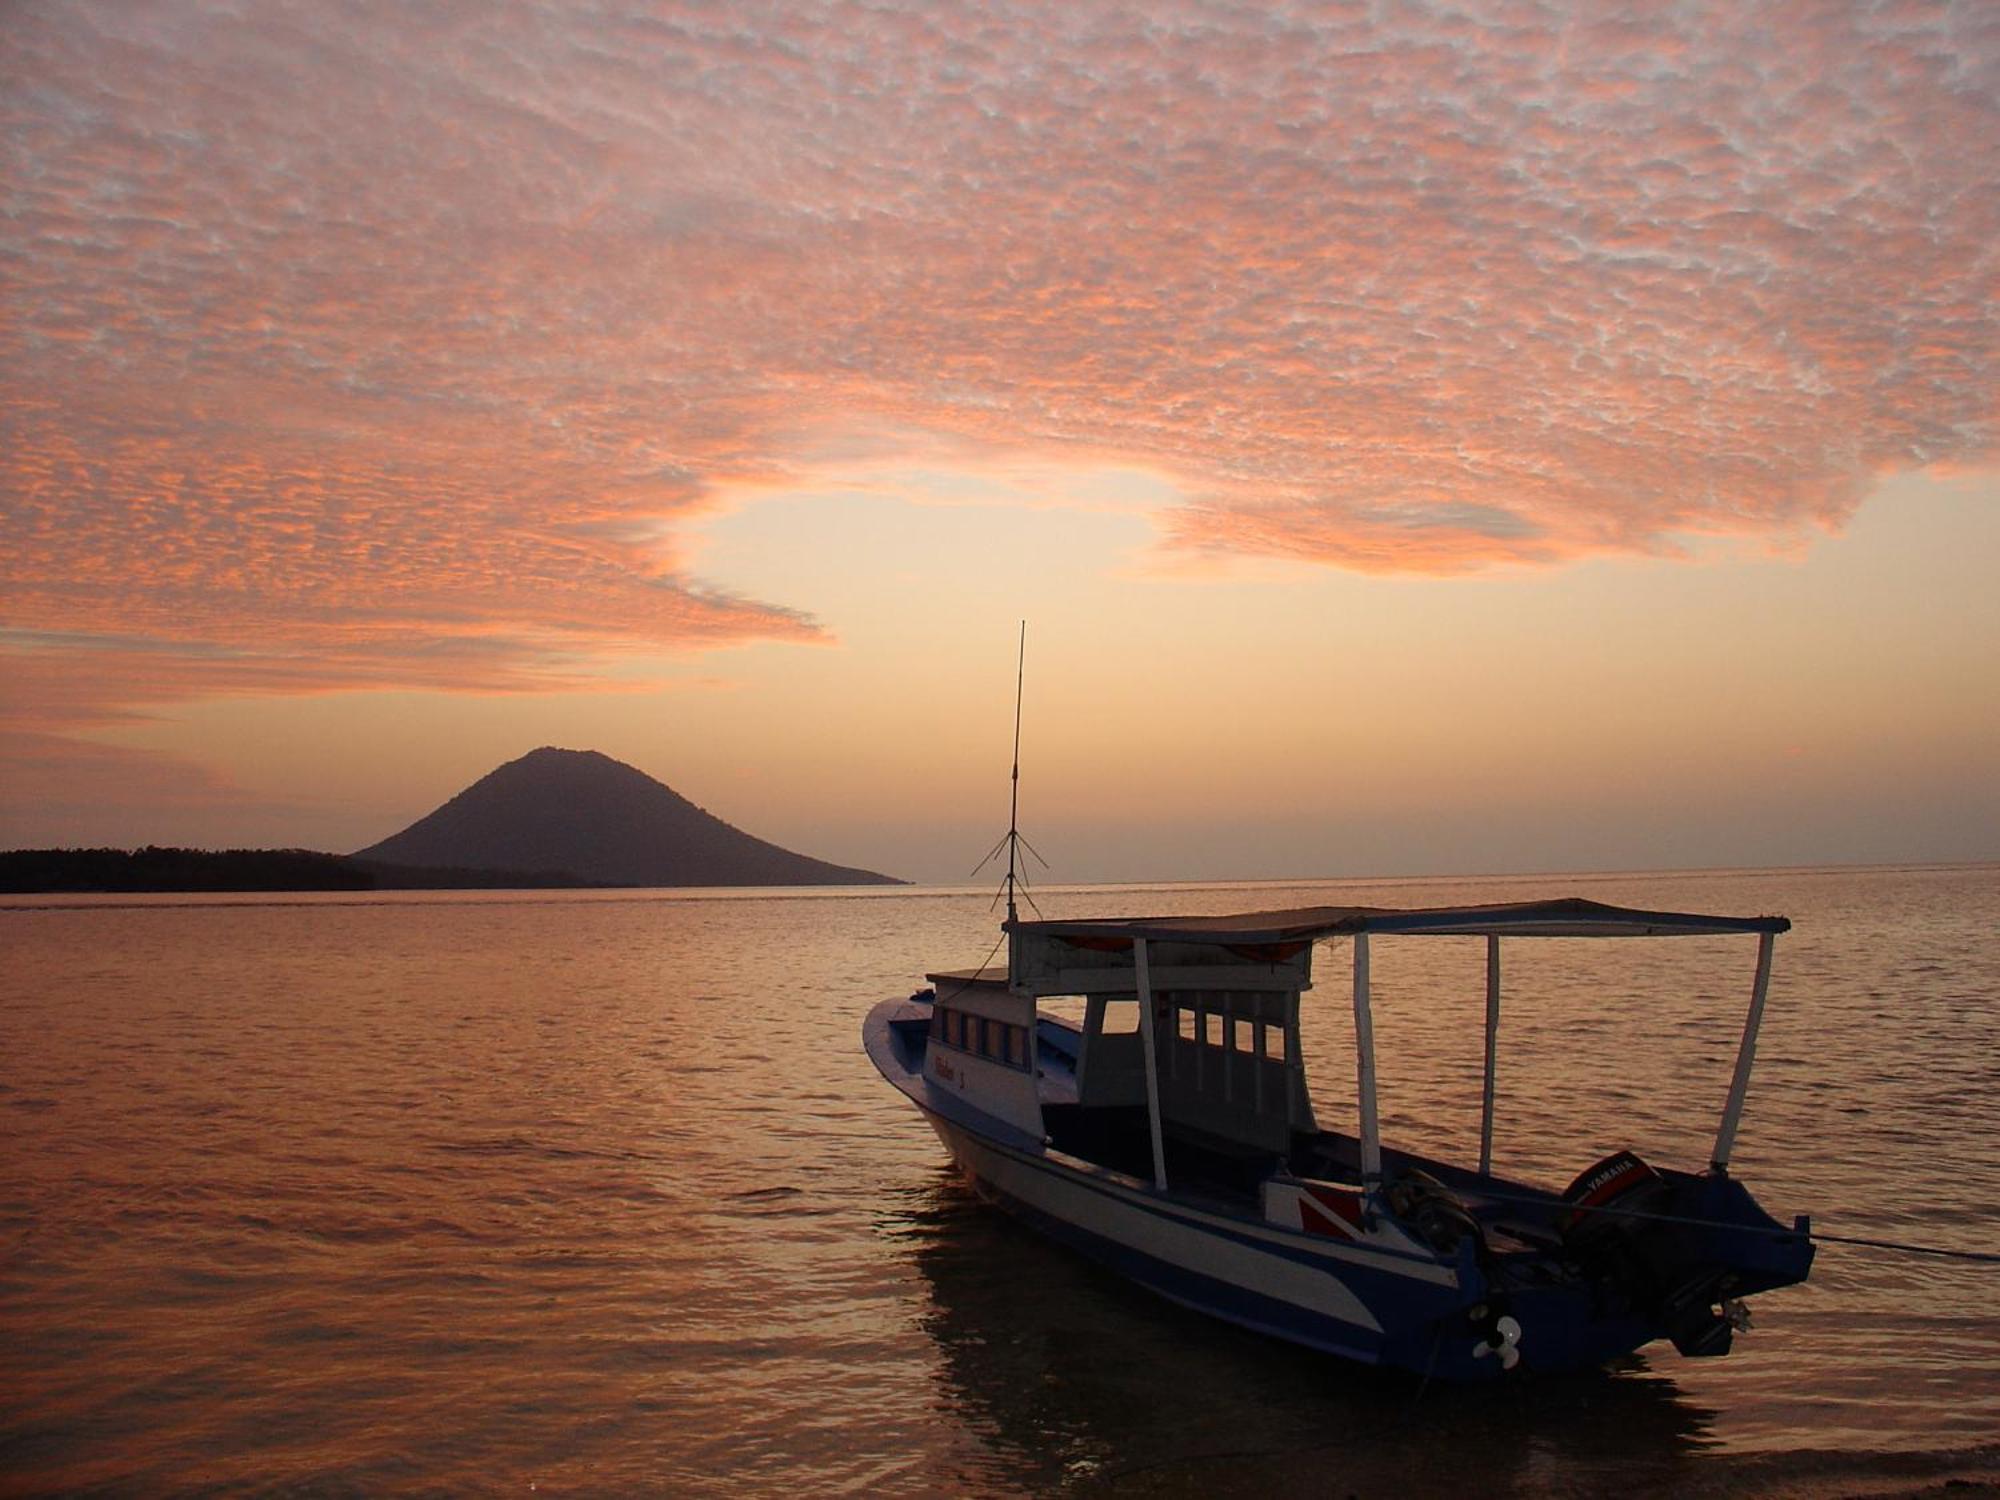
[(351, 348)]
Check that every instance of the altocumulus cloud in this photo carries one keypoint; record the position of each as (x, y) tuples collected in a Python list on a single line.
[(383, 344)]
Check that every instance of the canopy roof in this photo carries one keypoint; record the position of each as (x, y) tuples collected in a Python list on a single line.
[(1569, 917)]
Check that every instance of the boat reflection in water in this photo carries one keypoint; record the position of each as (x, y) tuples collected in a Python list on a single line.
[(1068, 1377)]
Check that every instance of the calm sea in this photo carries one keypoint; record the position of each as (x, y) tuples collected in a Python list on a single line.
[(588, 1193)]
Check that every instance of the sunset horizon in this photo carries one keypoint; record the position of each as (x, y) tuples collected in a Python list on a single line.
[(1295, 868)]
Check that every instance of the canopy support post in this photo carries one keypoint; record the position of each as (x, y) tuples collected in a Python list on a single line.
[(1298, 1103), (1492, 1052), (1746, 1054), (1142, 971), (1364, 1062)]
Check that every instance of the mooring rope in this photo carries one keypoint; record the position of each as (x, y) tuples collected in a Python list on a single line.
[(967, 984), (1980, 1257)]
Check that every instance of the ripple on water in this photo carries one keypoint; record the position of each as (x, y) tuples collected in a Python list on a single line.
[(596, 1195)]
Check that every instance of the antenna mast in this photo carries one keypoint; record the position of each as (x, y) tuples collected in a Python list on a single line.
[(1011, 840), (1014, 791)]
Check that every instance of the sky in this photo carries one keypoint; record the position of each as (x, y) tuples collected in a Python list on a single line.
[(1420, 437)]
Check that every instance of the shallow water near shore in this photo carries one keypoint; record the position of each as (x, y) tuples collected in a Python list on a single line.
[(596, 1192)]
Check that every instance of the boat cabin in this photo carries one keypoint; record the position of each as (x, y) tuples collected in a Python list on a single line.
[(982, 1047), (1187, 1065)]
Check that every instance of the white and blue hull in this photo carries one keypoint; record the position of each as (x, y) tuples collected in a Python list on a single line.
[(1359, 1302), (1264, 1279), (1369, 1290)]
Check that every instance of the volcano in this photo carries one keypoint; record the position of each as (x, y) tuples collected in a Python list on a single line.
[(582, 814)]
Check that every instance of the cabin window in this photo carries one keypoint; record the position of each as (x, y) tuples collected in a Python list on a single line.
[(1070, 1008), (1002, 1041), (1186, 1024), (1213, 1030), (1121, 1017), (1274, 1042)]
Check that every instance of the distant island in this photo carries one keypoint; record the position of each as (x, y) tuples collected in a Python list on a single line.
[(553, 818), (586, 815)]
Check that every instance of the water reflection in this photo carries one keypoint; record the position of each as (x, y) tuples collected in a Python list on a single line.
[(1072, 1379)]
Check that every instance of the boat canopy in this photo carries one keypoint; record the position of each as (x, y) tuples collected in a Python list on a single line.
[(1266, 950), (1569, 917)]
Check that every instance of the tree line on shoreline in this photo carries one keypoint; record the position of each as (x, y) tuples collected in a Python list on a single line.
[(157, 869)]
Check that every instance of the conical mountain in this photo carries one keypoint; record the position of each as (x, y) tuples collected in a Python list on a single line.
[(580, 813)]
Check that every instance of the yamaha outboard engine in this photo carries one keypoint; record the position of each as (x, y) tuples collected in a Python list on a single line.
[(1619, 1232)]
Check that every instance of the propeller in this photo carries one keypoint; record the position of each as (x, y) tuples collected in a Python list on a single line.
[(1502, 1343)]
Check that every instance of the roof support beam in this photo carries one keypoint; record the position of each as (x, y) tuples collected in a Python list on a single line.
[(1492, 1052), (1364, 1063), (1746, 1054), (1142, 972)]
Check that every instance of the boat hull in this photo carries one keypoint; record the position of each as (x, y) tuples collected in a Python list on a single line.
[(1369, 1293), (1175, 1253), (1375, 1306)]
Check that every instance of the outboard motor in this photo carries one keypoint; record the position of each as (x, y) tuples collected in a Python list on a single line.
[(1659, 1266), (1622, 1180)]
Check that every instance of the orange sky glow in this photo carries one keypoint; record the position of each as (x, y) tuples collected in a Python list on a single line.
[(1423, 438)]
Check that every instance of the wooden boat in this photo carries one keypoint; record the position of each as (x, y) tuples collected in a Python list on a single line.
[(1171, 1136)]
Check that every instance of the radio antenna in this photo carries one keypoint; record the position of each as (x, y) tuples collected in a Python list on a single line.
[(1014, 787), (1016, 872)]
